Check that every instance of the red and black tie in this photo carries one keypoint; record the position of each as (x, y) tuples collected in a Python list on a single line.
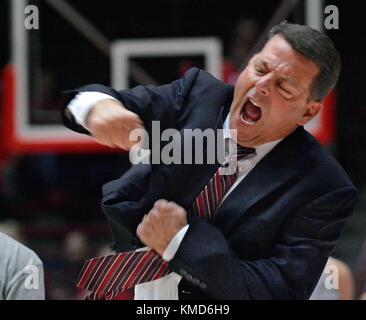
[(108, 276)]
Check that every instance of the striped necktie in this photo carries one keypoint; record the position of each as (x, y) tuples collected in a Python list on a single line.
[(108, 276)]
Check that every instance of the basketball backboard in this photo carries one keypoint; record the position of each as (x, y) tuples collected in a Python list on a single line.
[(32, 101), (32, 106)]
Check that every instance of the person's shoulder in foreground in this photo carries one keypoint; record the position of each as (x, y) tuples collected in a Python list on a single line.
[(21, 271)]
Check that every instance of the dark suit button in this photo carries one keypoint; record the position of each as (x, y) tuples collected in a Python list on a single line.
[(196, 281), (183, 272), (134, 243), (203, 285), (186, 292)]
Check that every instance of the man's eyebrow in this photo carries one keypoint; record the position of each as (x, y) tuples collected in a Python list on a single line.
[(262, 62)]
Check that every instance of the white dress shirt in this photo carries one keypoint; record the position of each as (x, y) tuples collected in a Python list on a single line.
[(166, 288)]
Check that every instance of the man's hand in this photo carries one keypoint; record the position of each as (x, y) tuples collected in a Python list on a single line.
[(160, 226), (110, 123)]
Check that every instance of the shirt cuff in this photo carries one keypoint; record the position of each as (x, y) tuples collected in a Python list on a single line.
[(81, 105), (174, 244)]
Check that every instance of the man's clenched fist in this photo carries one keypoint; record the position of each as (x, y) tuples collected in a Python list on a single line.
[(162, 223), (110, 123)]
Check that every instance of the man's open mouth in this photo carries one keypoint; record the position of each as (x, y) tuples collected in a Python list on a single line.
[(250, 113)]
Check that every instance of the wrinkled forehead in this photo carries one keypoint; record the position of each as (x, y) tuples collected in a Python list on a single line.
[(278, 54)]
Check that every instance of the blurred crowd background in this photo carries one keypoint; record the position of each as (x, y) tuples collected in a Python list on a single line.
[(51, 202)]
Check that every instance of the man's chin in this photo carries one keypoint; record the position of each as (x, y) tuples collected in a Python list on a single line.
[(245, 140), (248, 144), (249, 136)]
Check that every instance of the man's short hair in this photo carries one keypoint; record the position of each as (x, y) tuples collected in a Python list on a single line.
[(316, 47)]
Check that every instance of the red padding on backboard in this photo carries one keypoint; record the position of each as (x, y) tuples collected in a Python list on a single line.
[(326, 132), (6, 115), (11, 144)]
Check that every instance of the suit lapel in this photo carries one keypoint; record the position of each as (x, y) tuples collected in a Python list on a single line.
[(206, 172), (182, 183), (279, 167), (191, 179)]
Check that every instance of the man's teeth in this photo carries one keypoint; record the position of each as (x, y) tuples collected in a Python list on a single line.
[(246, 121), (254, 103)]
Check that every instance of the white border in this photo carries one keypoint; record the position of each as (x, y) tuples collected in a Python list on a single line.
[(24, 131), (123, 50), (314, 19)]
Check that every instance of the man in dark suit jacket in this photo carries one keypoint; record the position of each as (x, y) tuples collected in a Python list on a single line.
[(272, 235)]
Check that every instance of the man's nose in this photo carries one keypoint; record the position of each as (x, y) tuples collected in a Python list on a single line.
[(264, 84)]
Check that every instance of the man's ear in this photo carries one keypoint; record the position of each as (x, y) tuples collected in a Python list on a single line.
[(311, 110)]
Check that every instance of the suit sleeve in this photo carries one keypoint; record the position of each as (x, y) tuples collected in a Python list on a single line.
[(293, 267), (150, 103)]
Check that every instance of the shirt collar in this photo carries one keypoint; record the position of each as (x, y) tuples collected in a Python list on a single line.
[(226, 127)]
